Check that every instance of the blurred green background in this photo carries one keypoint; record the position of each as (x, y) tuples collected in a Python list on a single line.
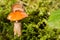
[(41, 24)]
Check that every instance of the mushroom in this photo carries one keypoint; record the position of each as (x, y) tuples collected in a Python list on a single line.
[(15, 16)]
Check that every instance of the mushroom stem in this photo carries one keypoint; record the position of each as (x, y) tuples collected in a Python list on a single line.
[(17, 28)]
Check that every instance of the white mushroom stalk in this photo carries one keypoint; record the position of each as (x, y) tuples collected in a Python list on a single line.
[(17, 28)]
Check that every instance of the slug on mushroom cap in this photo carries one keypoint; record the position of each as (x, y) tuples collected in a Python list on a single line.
[(17, 7), (17, 13)]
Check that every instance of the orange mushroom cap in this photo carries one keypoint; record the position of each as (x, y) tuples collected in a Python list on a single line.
[(15, 16)]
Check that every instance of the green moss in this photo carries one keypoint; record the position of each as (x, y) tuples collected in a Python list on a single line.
[(35, 26)]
